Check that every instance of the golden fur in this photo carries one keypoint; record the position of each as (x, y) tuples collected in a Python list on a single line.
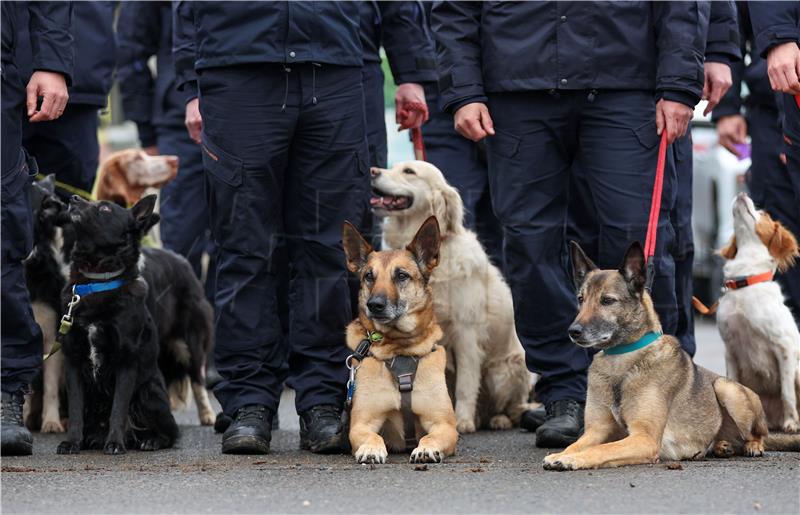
[(126, 175)]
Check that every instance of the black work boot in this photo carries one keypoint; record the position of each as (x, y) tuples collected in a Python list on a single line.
[(533, 418), (249, 433), (223, 422), (562, 426), (321, 429), (16, 440)]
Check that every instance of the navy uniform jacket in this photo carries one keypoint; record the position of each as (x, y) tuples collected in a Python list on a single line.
[(722, 42), (774, 23), (92, 29), (210, 34), (400, 28), (144, 30), (49, 43), (485, 47)]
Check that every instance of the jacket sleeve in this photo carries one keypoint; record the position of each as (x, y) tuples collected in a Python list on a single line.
[(681, 30), (184, 50), (138, 38), (457, 29), (731, 103), (722, 43), (774, 23), (51, 40), (407, 43)]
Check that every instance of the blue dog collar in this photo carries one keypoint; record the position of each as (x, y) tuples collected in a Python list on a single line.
[(88, 288), (642, 342)]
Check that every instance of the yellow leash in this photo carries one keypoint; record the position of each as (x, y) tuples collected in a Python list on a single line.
[(68, 187)]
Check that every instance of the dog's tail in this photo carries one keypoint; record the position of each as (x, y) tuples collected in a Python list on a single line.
[(785, 442)]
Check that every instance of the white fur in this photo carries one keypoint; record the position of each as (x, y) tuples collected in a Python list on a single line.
[(761, 338), (472, 301)]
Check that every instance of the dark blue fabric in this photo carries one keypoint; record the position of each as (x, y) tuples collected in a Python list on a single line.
[(375, 109), (488, 47), (92, 30), (683, 248), (722, 41), (20, 336), (290, 175), (540, 137), (145, 30), (774, 23)]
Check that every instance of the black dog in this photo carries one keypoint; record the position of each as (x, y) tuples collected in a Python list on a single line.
[(110, 340)]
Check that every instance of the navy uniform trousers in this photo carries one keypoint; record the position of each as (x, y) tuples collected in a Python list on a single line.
[(20, 336), (67, 146), (780, 184), (286, 159), (463, 164), (539, 137)]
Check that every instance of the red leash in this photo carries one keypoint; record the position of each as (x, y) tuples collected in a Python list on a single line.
[(419, 145), (655, 210)]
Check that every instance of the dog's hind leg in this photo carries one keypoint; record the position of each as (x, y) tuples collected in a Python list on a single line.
[(160, 430), (204, 411), (745, 410), (469, 359)]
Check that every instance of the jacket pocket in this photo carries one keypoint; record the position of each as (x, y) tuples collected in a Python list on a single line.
[(503, 143), (222, 165)]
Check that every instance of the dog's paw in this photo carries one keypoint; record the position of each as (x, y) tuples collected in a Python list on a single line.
[(113, 447), (67, 447), (562, 462), (426, 455), (207, 418), (369, 454), (500, 422), (150, 444), (790, 426), (754, 448), (723, 449), (52, 426), (465, 425)]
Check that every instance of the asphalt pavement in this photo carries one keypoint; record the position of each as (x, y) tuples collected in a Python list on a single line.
[(493, 472)]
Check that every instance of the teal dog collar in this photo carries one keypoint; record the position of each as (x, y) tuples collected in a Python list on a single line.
[(642, 342)]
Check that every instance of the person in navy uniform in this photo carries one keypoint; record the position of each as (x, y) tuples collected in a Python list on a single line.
[(68, 146), (285, 153), (551, 84), (775, 185), (44, 99)]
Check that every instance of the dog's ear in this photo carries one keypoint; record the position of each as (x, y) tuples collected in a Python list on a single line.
[(356, 248), (49, 183), (780, 242), (581, 264), (729, 250), (425, 245), (448, 207), (633, 268), (143, 216)]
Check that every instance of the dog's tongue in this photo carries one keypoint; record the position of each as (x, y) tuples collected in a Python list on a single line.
[(386, 201)]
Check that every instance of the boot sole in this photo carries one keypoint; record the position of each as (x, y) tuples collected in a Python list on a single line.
[(245, 445), (332, 445), (548, 439)]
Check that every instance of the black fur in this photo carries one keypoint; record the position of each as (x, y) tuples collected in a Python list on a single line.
[(117, 396), (43, 275)]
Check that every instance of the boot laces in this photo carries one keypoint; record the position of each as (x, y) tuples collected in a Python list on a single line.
[(253, 413), (11, 409), (563, 407)]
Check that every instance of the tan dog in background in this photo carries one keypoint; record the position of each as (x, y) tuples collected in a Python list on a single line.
[(395, 300), (472, 300), (124, 177), (650, 402)]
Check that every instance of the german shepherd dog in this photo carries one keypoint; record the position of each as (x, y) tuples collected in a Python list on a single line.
[(116, 393), (647, 402), (395, 300)]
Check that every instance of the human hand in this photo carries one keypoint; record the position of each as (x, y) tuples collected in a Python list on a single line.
[(474, 122), (717, 82), (672, 117), (732, 131), (53, 88), (783, 67), (193, 120), (411, 111)]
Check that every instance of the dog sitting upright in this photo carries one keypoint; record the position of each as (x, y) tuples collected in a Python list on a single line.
[(396, 315), (116, 393), (646, 398)]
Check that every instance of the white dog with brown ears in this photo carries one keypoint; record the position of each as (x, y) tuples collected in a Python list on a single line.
[(471, 300), (761, 337)]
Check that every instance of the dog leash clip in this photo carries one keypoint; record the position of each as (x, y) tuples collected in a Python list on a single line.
[(351, 382), (66, 320)]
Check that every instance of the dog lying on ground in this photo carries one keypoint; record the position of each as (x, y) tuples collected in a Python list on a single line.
[(125, 176), (646, 399), (762, 341), (117, 397), (395, 303), (472, 301)]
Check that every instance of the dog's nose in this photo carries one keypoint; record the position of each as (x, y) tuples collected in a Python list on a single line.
[(375, 171), (377, 304), (575, 331)]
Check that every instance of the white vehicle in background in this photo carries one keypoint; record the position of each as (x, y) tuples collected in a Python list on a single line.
[(718, 177)]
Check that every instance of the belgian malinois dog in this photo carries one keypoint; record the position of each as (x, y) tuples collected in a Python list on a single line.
[(647, 400), (396, 314)]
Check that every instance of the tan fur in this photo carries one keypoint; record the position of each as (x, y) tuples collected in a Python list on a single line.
[(53, 374), (376, 424), (780, 242), (472, 301), (126, 175), (652, 403)]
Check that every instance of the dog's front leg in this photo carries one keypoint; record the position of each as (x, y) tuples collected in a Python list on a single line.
[(367, 444), (468, 378), (439, 443), (75, 396), (787, 365), (600, 428), (118, 423), (51, 417), (638, 448)]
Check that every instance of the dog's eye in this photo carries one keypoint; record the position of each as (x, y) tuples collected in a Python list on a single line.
[(409, 171), (607, 301), (580, 299), (402, 276), (369, 276)]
